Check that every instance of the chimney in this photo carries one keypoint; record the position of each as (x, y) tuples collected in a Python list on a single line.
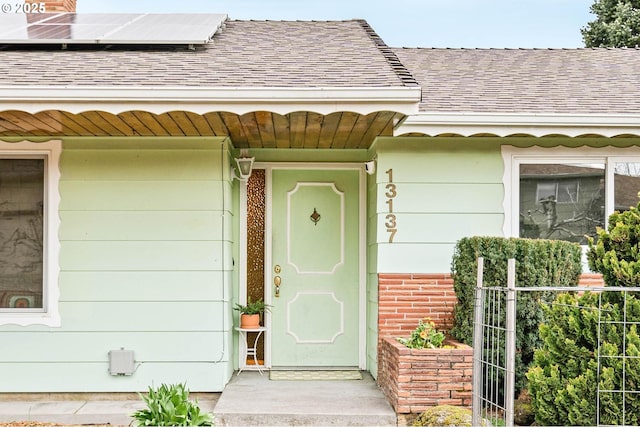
[(56, 6)]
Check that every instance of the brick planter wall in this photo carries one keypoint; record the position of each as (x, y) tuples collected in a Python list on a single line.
[(406, 298), (416, 379)]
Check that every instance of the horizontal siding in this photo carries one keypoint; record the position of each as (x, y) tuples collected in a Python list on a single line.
[(75, 377), (432, 197), (415, 257), (145, 256), (442, 228), (145, 285), (143, 165), (143, 225), (441, 164), (146, 264), (137, 316), (142, 195), (445, 189), (148, 347)]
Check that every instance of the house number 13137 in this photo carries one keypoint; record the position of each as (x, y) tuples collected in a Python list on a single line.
[(390, 220)]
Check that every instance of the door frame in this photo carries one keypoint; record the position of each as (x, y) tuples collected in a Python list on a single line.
[(268, 260)]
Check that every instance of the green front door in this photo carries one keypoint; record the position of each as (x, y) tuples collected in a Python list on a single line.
[(315, 260)]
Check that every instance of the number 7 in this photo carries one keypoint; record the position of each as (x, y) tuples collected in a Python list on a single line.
[(393, 232)]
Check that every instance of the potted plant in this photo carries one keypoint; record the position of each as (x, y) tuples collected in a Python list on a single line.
[(250, 313)]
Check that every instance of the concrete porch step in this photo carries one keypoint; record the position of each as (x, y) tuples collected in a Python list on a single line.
[(251, 399)]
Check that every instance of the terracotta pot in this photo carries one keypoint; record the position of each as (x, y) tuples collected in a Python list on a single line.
[(249, 321)]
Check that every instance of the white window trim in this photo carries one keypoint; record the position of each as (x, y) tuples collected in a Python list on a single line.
[(50, 315), (512, 157)]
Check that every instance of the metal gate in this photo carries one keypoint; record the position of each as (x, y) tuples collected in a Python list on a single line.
[(494, 348)]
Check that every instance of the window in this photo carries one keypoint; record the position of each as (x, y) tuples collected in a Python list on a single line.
[(567, 193), (28, 233)]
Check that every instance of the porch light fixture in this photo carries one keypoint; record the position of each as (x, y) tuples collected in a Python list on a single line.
[(370, 167), (244, 166)]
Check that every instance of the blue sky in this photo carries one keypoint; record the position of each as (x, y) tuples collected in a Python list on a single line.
[(404, 23)]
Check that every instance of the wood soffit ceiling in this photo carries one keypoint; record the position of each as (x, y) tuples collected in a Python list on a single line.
[(259, 129)]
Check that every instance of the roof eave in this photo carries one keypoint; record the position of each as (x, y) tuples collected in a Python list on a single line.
[(239, 100), (506, 124)]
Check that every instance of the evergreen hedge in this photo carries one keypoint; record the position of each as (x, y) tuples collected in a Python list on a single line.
[(617, 252), (563, 380), (538, 263)]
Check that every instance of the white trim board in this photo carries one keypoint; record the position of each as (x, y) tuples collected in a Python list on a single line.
[(504, 124), (201, 100)]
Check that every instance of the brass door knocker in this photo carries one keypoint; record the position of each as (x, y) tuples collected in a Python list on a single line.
[(315, 217)]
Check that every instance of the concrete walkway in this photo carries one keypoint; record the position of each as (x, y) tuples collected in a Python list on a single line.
[(250, 399), (253, 400), (78, 412)]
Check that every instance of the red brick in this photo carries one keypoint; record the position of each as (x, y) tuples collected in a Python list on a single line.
[(428, 386), (391, 276), (453, 402), (457, 387), (431, 276), (461, 394)]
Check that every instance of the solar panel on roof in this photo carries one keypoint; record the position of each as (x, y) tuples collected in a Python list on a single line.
[(118, 28)]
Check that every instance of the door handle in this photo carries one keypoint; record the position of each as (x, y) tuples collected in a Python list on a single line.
[(277, 281)]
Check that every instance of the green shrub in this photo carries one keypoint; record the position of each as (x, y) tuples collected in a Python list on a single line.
[(617, 253), (446, 416), (538, 263), (169, 405), (563, 380)]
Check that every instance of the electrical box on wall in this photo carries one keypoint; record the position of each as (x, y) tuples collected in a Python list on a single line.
[(121, 362)]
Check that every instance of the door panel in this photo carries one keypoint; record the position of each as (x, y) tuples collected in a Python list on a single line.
[(315, 248)]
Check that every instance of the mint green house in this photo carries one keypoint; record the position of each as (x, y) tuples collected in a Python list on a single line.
[(128, 232)]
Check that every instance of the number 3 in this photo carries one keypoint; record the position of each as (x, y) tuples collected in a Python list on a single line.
[(391, 191)]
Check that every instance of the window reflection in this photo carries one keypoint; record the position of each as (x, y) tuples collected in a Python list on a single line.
[(626, 185), (561, 201)]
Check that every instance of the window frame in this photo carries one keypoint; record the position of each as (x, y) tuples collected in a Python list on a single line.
[(513, 157), (49, 314)]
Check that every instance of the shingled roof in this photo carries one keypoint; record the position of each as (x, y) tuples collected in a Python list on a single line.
[(550, 81), (243, 54)]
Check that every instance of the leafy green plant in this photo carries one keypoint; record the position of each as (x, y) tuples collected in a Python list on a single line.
[(562, 381), (539, 262), (565, 376), (567, 372), (169, 405), (617, 24), (617, 253), (424, 336), (255, 307)]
